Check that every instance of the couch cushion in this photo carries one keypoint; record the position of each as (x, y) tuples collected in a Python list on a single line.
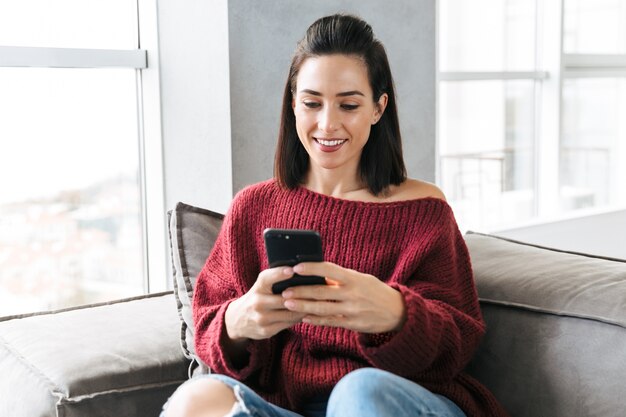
[(118, 359), (556, 328), (192, 232)]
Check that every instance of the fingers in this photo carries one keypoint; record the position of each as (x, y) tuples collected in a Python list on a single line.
[(338, 282), (319, 300), (317, 308), (314, 292), (270, 276), (317, 268), (350, 299), (264, 302), (259, 316), (334, 273), (319, 313)]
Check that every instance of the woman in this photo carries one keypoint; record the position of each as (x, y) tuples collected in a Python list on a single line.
[(399, 318)]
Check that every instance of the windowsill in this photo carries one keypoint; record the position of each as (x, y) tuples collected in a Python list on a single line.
[(561, 217)]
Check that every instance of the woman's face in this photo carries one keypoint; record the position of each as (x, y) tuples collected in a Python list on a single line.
[(335, 110)]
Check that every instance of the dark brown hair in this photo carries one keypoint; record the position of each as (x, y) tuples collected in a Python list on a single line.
[(381, 161)]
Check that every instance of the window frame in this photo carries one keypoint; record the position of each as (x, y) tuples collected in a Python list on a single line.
[(156, 244)]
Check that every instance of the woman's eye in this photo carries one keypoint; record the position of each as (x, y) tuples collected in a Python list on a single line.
[(349, 106), (311, 104)]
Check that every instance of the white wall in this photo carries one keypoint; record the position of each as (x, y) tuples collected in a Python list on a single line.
[(195, 97), (601, 234)]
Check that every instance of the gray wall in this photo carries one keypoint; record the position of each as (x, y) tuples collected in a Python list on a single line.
[(223, 69), (263, 35)]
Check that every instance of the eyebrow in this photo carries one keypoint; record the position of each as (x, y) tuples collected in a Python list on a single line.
[(342, 94)]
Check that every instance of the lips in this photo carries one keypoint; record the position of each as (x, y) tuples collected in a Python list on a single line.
[(330, 144)]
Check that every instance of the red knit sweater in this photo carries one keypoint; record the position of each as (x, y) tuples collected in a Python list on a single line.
[(414, 246)]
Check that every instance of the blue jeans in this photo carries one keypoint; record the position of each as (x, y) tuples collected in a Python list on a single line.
[(365, 392)]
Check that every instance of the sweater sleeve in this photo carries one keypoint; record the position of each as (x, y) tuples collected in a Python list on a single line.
[(444, 325), (222, 280)]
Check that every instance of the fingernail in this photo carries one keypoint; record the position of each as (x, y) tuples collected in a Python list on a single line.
[(290, 304), (298, 268), (287, 294), (288, 271)]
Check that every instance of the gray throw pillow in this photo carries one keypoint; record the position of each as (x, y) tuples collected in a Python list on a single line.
[(192, 231)]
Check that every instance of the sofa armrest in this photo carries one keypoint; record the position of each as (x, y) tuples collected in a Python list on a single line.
[(556, 329), (117, 359)]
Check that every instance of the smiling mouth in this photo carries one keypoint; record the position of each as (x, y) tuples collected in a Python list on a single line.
[(330, 142)]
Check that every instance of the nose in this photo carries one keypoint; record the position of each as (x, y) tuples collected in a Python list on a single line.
[(329, 120)]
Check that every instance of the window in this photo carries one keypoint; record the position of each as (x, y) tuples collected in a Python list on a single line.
[(72, 207), (532, 108)]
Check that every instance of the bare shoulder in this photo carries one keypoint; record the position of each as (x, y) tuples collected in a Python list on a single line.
[(413, 189)]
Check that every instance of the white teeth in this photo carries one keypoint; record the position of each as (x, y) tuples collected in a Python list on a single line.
[(330, 142)]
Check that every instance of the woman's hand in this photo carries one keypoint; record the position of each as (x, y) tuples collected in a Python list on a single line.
[(260, 314), (351, 300)]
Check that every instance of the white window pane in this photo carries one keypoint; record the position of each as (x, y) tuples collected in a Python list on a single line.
[(486, 131), (70, 208), (595, 26), (486, 35), (104, 24), (593, 144)]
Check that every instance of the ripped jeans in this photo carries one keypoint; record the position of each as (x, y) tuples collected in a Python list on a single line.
[(365, 392)]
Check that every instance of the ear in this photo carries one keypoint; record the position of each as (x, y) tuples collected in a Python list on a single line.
[(379, 108)]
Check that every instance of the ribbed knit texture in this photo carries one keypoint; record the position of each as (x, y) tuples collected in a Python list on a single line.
[(414, 246)]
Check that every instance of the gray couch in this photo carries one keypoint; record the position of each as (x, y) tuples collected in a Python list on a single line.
[(555, 345)]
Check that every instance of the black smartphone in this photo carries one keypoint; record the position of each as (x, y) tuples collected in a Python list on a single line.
[(289, 247)]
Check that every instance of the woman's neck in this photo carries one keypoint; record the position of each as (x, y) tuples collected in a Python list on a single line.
[(331, 183)]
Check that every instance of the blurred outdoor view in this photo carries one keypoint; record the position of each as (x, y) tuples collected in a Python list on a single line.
[(490, 145), (70, 206)]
